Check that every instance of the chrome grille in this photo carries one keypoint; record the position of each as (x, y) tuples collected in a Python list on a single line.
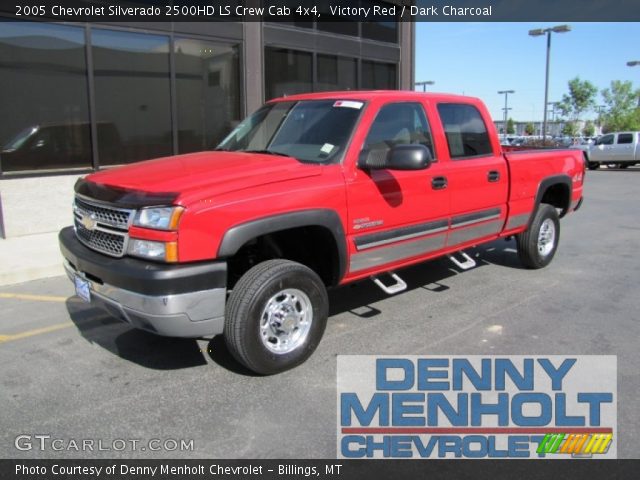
[(101, 227)]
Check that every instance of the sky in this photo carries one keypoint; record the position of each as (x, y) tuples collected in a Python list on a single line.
[(478, 59)]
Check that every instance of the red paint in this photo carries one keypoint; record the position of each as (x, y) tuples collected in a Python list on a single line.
[(220, 190)]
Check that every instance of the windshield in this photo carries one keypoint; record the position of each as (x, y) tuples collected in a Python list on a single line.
[(20, 138), (310, 130)]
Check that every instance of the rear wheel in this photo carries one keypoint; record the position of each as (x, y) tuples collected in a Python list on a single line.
[(276, 316), (593, 165), (538, 244)]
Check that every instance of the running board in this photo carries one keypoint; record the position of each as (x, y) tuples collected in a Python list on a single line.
[(399, 286), (466, 264)]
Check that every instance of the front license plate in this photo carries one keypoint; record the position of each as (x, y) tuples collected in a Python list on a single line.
[(82, 289)]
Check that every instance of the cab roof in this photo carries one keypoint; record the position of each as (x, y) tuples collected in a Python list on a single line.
[(364, 95)]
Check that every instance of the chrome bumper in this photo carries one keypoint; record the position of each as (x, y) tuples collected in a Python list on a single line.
[(191, 314)]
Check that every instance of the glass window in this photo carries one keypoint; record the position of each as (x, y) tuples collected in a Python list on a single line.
[(287, 72), (132, 92), (380, 28), (378, 76), (311, 130), (605, 140), (342, 28), (336, 73), (624, 138), (399, 124), (207, 92), (465, 130), (44, 111)]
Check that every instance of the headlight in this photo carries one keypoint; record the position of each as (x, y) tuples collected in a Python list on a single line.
[(163, 251), (159, 218)]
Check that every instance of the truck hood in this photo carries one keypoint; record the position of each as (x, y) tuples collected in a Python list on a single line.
[(207, 173)]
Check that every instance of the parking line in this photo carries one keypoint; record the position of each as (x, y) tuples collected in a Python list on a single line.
[(36, 331), (37, 298)]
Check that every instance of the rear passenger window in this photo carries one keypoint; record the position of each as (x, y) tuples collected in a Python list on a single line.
[(625, 138), (465, 130)]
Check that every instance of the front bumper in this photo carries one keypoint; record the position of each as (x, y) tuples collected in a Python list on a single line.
[(169, 300)]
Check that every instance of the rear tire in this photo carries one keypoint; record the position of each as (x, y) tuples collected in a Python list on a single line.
[(276, 316), (593, 165), (538, 244)]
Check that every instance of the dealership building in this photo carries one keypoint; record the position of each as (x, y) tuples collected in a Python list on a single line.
[(79, 97)]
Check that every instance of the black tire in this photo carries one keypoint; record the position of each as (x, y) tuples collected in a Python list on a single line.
[(623, 165), (593, 165), (246, 306), (529, 252)]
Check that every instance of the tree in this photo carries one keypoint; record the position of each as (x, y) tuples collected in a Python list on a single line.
[(570, 129), (580, 99), (529, 128), (511, 128), (622, 111), (589, 129)]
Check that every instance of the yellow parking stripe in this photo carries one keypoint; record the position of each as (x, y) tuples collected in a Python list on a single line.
[(37, 298), (36, 331)]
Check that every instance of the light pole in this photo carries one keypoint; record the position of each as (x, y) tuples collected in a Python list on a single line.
[(506, 109), (599, 109), (537, 33), (424, 84), (634, 63)]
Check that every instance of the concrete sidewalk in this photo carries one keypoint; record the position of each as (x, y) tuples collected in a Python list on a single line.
[(29, 257)]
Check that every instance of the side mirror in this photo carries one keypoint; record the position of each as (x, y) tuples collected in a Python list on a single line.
[(399, 157)]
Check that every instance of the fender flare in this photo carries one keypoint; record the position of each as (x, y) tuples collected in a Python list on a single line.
[(561, 179), (240, 234)]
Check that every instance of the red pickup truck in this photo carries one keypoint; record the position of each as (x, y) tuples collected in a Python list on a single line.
[(310, 192)]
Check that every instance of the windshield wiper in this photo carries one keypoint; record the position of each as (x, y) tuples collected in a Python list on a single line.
[(267, 152)]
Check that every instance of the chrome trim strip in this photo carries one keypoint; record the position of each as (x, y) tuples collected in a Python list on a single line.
[(386, 241), (464, 235), (516, 221), (381, 256), (471, 218)]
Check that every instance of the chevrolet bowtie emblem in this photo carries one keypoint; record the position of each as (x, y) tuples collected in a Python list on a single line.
[(89, 221)]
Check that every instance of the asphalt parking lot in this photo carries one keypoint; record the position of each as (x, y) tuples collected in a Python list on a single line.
[(71, 372)]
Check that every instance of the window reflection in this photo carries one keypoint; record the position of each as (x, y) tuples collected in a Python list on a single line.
[(131, 75), (207, 91), (287, 72), (378, 76), (336, 73), (43, 97)]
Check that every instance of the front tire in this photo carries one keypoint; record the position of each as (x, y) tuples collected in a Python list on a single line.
[(538, 244), (593, 165), (276, 316)]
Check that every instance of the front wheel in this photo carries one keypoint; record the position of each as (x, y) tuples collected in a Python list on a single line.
[(593, 165), (276, 316), (538, 244)]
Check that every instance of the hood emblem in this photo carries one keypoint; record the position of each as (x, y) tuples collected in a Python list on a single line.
[(89, 221)]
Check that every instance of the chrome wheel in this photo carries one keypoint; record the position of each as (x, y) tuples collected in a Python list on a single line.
[(546, 237), (286, 320)]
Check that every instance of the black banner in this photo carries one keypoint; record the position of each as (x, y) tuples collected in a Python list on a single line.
[(322, 10), (329, 469)]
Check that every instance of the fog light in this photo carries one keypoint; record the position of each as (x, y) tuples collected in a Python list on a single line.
[(163, 251)]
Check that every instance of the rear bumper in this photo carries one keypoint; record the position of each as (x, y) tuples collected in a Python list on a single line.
[(169, 300)]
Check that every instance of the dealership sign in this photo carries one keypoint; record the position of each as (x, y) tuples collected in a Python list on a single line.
[(525, 406)]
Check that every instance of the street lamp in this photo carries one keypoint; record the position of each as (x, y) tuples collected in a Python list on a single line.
[(424, 84), (506, 95), (537, 33)]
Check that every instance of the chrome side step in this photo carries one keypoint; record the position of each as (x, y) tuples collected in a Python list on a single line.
[(399, 286), (467, 262)]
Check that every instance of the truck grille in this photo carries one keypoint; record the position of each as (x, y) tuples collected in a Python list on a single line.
[(101, 227)]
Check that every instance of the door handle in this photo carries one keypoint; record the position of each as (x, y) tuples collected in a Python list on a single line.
[(438, 183), (493, 176)]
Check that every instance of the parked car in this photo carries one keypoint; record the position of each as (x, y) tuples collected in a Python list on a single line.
[(312, 191), (618, 149)]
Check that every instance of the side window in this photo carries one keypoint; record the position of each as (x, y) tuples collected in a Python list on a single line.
[(399, 124), (606, 140), (465, 130), (624, 138)]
